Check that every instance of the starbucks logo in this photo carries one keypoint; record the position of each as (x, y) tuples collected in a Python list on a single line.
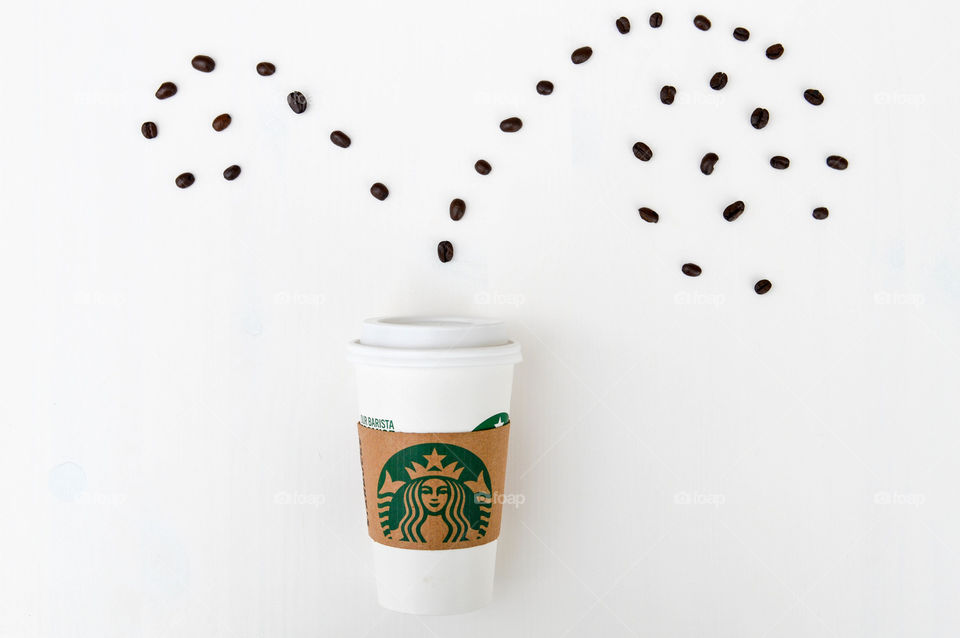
[(434, 493)]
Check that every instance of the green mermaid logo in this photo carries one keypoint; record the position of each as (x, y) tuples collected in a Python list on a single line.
[(434, 493)]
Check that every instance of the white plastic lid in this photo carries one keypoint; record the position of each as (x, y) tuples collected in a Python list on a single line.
[(433, 342)]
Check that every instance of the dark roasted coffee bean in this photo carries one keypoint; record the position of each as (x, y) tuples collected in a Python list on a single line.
[(222, 121), (445, 251), (297, 102), (702, 23), (837, 162), (734, 210), (511, 125), (184, 180), (779, 162), (167, 89), (762, 287), (718, 81), (741, 34), (149, 130), (231, 173), (581, 55), (656, 19), (379, 191), (457, 208), (483, 167), (649, 215), (340, 138), (203, 63), (691, 270), (820, 212), (813, 96), (774, 51), (623, 24), (759, 118), (266, 68), (708, 162), (642, 151), (667, 94), (544, 87)]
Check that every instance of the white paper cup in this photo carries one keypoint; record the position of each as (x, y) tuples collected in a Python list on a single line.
[(433, 374)]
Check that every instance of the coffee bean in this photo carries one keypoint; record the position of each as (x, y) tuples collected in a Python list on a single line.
[(581, 55), (649, 215), (297, 102), (222, 121), (642, 152), (379, 191), (813, 96), (702, 23), (445, 251), (457, 208), (511, 125), (167, 89), (837, 162), (734, 210), (718, 81), (820, 212), (483, 167), (708, 162), (544, 87), (184, 180), (266, 68), (667, 94), (623, 25), (231, 173), (149, 130), (759, 118), (774, 51), (779, 162), (741, 34), (203, 63), (340, 138), (691, 270), (656, 19), (762, 287)]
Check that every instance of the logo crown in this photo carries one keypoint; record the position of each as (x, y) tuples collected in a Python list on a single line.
[(434, 467)]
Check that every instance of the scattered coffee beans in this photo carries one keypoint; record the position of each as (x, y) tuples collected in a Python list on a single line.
[(774, 51), (184, 180), (656, 19), (779, 162), (544, 87), (340, 138), (642, 151), (203, 63), (297, 102), (266, 68), (702, 23), (231, 173), (741, 34), (623, 25), (718, 81), (813, 96), (734, 210), (649, 215), (762, 287), (379, 191), (457, 208), (222, 121), (581, 55), (511, 125), (837, 162), (445, 251), (667, 94), (167, 89), (708, 162), (149, 130), (820, 212), (759, 118), (691, 270), (483, 167)]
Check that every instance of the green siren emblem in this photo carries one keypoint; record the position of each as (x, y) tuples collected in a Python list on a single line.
[(434, 493)]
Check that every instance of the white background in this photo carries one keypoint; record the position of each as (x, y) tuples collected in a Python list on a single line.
[(178, 453)]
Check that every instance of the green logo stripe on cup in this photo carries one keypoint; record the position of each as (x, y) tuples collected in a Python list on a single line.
[(495, 421)]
